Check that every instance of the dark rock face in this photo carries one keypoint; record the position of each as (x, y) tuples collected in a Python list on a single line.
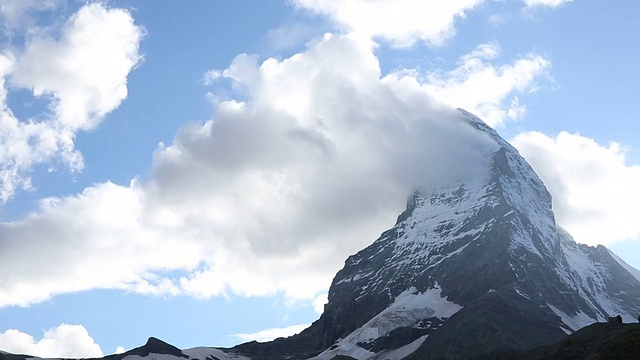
[(156, 346), (153, 346), (611, 340), (8, 356), (496, 322)]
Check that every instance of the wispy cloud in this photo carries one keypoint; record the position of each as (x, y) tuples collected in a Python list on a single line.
[(271, 334), (16, 15), (481, 87), (545, 3)]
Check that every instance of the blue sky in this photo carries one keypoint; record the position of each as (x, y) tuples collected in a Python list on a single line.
[(199, 172)]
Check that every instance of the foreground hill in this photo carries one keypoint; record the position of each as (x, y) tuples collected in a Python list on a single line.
[(612, 341)]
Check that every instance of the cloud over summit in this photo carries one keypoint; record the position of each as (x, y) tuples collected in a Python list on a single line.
[(313, 164)]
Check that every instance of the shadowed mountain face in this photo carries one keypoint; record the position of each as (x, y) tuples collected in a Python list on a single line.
[(598, 341), (471, 270)]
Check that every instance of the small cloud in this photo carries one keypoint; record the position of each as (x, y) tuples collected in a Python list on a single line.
[(485, 51), (545, 3), (64, 341), (288, 37), (271, 334), (211, 76), (18, 14), (319, 302), (516, 111), (496, 19), (119, 350), (400, 22), (483, 88)]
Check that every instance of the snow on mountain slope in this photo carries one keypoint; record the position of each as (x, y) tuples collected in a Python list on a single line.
[(575, 322), (204, 353), (408, 309)]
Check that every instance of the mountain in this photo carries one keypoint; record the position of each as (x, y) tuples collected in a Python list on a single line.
[(473, 270), (469, 270)]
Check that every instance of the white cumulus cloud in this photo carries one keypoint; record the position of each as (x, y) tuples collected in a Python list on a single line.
[(402, 22), (271, 334), (595, 192), (487, 90), (547, 3), (63, 341), (82, 74), (85, 71)]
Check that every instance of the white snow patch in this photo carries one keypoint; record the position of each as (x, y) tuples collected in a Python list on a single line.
[(355, 277), (348, 349), (407, 310), (521, 293), (201, 353), (566, 331), (153, 356), (402, 352), (576, 322), (520, 238)]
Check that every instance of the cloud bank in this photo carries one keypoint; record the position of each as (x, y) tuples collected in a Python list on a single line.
[(595, 193)]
